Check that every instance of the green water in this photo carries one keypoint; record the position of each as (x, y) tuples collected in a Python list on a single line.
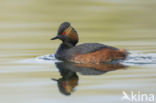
[(26, 27)]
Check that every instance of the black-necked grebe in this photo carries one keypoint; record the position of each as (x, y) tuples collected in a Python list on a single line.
[(94, 53)]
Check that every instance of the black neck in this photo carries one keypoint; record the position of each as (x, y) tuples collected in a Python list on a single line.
[(67, 45)]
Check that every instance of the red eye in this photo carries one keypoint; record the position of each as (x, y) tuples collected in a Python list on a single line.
[(63, 33)]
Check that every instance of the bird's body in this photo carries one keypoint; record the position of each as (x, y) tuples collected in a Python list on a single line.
[(94, 53)]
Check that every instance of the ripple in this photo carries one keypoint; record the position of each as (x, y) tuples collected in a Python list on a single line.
[(45, 59), (140, 59)]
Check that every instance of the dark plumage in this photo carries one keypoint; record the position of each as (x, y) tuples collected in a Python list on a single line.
[(62, 27), (94, 53)]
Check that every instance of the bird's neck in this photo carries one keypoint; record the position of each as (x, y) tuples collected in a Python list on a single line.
[(65, 46)]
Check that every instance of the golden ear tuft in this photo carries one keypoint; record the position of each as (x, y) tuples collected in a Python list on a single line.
[(71, 33), (68, 30)]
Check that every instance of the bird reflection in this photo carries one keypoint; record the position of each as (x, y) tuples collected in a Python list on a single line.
[(69, 79)]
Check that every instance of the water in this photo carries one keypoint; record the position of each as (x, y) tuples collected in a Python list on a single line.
[(28, 73)]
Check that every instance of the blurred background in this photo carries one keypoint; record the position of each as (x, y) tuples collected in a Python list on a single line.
[(36, 21), (26, 27)]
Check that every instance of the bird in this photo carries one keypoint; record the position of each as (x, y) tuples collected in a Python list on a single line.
[(87, 53)]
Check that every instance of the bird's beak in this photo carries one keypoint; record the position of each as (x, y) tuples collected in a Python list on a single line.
[(56, 37)]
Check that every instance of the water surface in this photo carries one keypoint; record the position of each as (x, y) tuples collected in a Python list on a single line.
[(27, 65)]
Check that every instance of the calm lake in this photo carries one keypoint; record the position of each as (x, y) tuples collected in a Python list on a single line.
[(28, 73)]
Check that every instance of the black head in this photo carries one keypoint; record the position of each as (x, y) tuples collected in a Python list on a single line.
[(66, 33)]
